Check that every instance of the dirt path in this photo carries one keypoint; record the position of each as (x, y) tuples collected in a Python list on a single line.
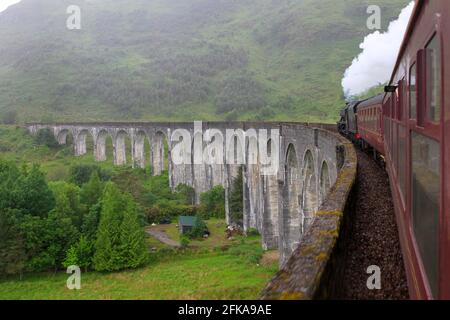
[(163, 237), (374, 238)]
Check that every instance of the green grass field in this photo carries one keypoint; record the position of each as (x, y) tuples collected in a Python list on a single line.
[(173, 275)]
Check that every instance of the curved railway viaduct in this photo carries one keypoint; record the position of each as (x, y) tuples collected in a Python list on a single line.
[(297, 179)]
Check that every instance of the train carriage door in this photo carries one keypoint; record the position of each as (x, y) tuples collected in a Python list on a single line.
[(426, 163), (445, 175)]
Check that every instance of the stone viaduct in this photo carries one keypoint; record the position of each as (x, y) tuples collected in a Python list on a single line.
[(281, 205)]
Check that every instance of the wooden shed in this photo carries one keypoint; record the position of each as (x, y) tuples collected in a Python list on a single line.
[(186, 223)]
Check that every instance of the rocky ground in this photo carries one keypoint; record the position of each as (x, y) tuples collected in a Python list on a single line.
[(374, 238)]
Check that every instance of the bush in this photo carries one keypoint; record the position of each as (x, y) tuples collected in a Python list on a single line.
[(81, 173), (198, 230), (9, 117), (213, 203), (45, 137), (184, 242), (166, 209), (185, 194), (80, 254), (252, 232)]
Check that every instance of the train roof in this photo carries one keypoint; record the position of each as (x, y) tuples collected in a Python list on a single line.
[(409, 30), (378, 99)]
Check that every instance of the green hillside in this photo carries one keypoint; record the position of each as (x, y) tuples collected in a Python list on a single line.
[(181, 59)]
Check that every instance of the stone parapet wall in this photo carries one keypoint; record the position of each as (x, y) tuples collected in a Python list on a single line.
[(313, 270)]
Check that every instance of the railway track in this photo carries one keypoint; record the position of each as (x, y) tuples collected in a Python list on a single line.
[(374, 238)]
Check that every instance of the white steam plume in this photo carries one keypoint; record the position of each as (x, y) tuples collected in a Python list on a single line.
[(4, 4), (375, 64)]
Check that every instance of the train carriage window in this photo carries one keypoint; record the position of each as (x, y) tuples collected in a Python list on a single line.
[(394, 147), (425, 203), (372, 119), (400, 99), (413, 92), (433, 86), (402, 159)]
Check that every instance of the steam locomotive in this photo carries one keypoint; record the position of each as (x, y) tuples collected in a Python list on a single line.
[(408, 128)]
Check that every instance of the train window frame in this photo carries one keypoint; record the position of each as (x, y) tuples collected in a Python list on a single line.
[(413, 93), (400, 99), (436, 80), (420, 87), (422, 123)]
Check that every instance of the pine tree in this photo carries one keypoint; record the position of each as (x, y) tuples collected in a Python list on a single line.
[(12, 243), (91, 221), (36, 198), (236, 200), (133, 248), (120, 239), (71, 257), (107, 245), (92, 191), (80, 254), (84, 253), (10, 186)]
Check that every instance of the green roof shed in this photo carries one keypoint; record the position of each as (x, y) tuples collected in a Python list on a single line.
[(186, 223)]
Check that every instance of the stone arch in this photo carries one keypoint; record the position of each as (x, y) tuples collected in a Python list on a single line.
[(141, 149), (120, 142), (214, 157), (310, 196), (252, 155), (199, 175), (64, 137), (181, 158), (253, 181), (292, 222), (325, 182), (235, 155), (269, 148), (235, 150), (101, 143), (270, 210), (159, 150), (81, 142)]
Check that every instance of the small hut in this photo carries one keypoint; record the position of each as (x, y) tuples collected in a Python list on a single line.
[(186, 224)]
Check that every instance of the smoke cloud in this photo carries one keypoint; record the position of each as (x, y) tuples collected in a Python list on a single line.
[(4, 4), (375, 64)]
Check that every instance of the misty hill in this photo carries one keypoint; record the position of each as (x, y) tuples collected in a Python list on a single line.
[(181, 59)]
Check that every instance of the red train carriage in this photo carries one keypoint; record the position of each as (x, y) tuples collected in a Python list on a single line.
[(370, 124), (416, 125)]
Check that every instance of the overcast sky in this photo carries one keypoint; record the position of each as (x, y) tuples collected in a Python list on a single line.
[(6, 3)]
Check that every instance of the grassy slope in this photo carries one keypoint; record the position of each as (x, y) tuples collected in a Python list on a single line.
[(211, 275), (18, 146), (293, 53)]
